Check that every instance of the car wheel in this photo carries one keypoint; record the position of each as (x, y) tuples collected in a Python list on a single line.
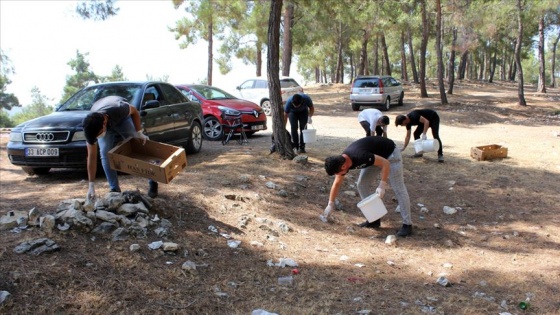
[(267, 108), (401, 99), (387, 104), (213, 130), (36, 170), (355, 107), (195, 140)]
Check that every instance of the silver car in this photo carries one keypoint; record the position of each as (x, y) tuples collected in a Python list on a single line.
[(376, 90), (256, 91)]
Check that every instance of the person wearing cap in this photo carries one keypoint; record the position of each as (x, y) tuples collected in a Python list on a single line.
[(110, 117), (364, 154), (299, 109), (372, 120), (424, 119)]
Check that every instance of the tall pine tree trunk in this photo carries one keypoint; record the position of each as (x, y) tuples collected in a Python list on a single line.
[(451, 65), (288, 24), (385, 55), (439, 54), (423, 49), (404, 74), (553, 64), (210, 54), (541, 86), (520, 92), (412, 60)]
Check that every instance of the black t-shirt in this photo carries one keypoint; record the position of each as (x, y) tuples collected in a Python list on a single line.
[(362, 151), (414, 116), (115, 107)]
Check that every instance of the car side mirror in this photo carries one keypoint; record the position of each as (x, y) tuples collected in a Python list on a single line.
[(151, 104), (238, 88)]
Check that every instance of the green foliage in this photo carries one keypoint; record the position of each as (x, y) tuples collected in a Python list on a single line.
[(97, 10), (5, 121), (81, 78), (7, 100), (37, 108), (116, 75)]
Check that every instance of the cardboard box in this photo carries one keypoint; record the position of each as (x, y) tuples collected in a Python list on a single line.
[(154, 160), (488, 152)]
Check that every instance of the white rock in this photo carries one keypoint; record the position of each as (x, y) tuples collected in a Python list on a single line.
[(449, 210), (155, 245), (134, 247), (391, 240), (170, 246), (233, 243)]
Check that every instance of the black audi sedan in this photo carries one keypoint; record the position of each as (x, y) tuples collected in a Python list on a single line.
[(57, 140)]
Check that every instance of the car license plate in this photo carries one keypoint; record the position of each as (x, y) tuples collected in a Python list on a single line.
[(366, 91), (257, 127), (41, 152)]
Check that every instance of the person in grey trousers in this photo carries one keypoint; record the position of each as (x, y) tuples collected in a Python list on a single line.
[(364, 154)]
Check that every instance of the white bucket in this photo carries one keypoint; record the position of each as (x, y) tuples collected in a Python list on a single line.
[(309, 135), (430, 145), (372, 207)]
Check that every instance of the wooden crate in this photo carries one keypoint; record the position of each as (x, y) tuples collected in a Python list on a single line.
[(154, 160), (488, 152)]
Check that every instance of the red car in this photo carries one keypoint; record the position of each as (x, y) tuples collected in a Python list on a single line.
[(215, 101)]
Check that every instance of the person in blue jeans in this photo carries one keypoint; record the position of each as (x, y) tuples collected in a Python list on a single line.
[(110, 117), (373, 156), (299, 109)]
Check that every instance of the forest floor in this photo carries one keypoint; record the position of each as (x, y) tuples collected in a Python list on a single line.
[(500, 248)]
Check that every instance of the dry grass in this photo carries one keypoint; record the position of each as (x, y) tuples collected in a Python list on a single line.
[(502, 246)]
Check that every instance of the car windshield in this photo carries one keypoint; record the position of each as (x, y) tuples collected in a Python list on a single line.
[(367, 83), (84, 99), (288, 83), (212, 93)]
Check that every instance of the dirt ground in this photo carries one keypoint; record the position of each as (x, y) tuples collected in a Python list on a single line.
[(500, 248)]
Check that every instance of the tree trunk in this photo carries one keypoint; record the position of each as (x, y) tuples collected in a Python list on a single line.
[(503, 64), (259, 58), (210, 54), (451, 66), (404, 74), (492, 66), (520, 93), (288, 25), (339, 62), (363, 54), (385, 55), (412, 61), (376, 55), (423, 48), (541, 86), (553, 64), (281, 140), (439, 54), (463, 65)]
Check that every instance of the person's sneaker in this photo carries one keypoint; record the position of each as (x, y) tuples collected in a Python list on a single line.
[(405, 230), (153, 191), (440, 158), (301, 150), (371, 225), (118, 190), (418, 155)]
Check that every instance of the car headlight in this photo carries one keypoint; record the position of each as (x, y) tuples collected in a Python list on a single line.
[(16, 137), (229, 111), (79, 136)]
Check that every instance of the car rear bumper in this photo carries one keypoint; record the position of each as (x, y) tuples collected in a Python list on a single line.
[(369, 99)]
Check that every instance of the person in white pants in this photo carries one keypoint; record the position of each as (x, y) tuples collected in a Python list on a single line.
[(373, 121), (363, 154)]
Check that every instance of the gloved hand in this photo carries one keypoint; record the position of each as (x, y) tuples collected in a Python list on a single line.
[(424, 137), (330, 207), (91, 192), (309, 120), (140, 135), (381, 189)]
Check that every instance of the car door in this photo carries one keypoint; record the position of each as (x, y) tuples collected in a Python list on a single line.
[(395, 89), (181, 111), (157, 116), (246, 90)]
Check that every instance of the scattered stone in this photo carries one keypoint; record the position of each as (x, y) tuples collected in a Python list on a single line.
[(424, 210), (12, 219), (213, 229), (127, 209), (448, 265), (155, 245), (443, 281), (189, 266), (350, 193), (134, 247), (63, 227), (243, 221), (284, 227), (33, 217), (233, 243), (449, 210), (46, 223), (120, 234), (4, 296), (270, 185), (37, 247), (301, 159), (256, 244), (170, 247), (282, 193)]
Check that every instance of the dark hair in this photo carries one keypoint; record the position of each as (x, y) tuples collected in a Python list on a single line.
[(93, 123), (333, 164), (399, 120), (296, 99), (385, 120)]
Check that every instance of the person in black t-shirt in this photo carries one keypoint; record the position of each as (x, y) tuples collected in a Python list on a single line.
[(424, 119), (363, 154), (299, 109)]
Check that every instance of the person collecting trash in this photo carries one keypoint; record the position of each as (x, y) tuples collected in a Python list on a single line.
[(424, 119), (299, 109), (373, 121), (110, 117), (364, 154)]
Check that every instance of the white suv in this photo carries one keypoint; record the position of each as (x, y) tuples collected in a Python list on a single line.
[(256, 91), (370, 90)]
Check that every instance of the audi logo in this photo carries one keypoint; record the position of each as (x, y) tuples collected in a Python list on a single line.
[(44, 136)]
